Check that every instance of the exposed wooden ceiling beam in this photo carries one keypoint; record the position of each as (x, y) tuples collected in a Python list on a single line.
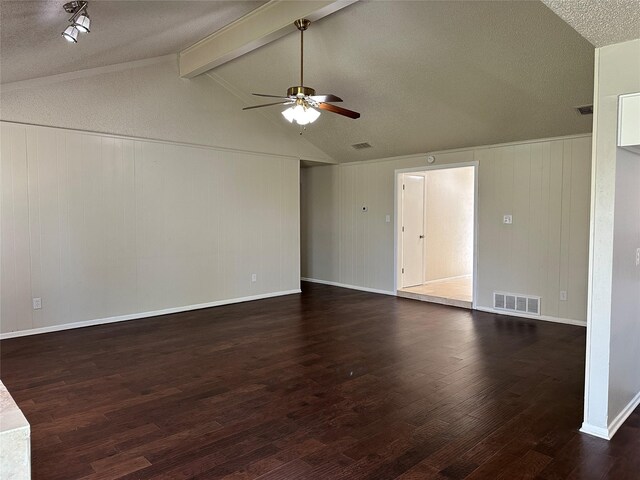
[(261, 26)]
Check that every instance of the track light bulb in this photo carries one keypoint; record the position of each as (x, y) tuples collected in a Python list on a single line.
[(70, 34), (83, 22)]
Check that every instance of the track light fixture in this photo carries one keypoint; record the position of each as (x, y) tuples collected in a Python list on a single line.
[(70, 34), (80, 21)]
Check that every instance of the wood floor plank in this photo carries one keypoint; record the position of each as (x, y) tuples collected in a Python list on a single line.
[(329, 384)]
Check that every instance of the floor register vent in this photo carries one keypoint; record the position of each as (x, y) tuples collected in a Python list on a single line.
[(516, 303)]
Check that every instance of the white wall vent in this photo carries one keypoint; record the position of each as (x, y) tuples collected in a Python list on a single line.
[(516, 302)]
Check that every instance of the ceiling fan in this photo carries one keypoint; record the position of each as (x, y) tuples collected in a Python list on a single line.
[(303, 100)]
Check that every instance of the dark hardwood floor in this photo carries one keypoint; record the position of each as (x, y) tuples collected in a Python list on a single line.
[(330, 384)]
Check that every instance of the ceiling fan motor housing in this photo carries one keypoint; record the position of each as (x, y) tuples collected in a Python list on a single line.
[(300, 90)]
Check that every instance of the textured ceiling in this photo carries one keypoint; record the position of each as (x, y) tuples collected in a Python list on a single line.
[(602, 22), (121, 31), (428, 76)]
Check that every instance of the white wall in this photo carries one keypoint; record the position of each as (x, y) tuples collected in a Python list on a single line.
[(612, 387), (319, 228), (449, 209), (148, 99), (543, 184), (625, 300), (545, 187), (102, 227)]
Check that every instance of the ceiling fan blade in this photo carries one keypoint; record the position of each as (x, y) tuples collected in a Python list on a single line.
[(339, 110), (326, 98), (269, 96), (267, 105)]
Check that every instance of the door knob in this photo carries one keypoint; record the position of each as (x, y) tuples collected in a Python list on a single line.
[(421, 236)]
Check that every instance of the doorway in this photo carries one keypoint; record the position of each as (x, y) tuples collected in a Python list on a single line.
[(436, 234)]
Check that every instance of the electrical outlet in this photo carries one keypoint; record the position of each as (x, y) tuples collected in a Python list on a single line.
[(563, 295), (37, 303), (254, 277), (387, 219), (507, 219), (637, 257)]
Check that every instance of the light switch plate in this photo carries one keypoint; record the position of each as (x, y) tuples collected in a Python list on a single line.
[(387, 219), (37, 303), (254, 277), (563, 295), (507, 219)]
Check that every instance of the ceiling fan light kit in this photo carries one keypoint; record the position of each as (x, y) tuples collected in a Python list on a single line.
[(304, 104), (80, 21), (301, 115)]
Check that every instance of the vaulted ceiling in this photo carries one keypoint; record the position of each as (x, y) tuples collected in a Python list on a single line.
[(121, 31), (431, 75), (425, 75)]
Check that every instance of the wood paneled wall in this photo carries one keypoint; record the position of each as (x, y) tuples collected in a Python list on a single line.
[(101, 226), (543, 184)]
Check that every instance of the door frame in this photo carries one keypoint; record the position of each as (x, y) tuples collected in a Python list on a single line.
[(397, 213)]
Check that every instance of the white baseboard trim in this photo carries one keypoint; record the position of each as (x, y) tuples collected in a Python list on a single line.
[(546, 318), (617, 422), (351, 287), (599, 432), (136, 316), (447, 278)]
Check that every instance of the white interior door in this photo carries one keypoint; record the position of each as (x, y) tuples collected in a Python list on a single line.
[(412, 230)]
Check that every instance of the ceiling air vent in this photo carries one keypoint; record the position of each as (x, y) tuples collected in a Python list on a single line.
[(585, 110), (361, 146), (516, 303)]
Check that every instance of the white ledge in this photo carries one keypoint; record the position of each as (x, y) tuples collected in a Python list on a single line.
[(15, 439)]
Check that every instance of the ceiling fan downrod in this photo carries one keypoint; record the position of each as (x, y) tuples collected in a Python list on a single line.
[(301, 91), (302, 24)]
